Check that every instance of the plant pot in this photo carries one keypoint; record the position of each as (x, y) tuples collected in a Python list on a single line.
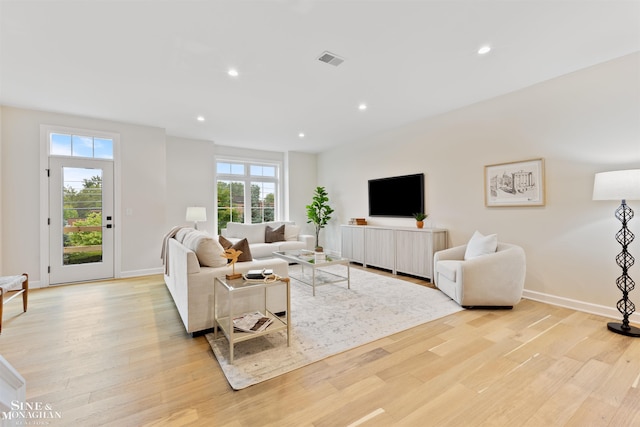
[(419, 224), (319, 249)]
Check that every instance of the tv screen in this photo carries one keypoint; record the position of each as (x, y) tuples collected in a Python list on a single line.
[(398, 196)]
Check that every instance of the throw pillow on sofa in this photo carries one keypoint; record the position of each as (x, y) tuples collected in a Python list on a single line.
[(272, 235), (243, 245), (291, 232), (208, 250), (224, 242), (481, 245)]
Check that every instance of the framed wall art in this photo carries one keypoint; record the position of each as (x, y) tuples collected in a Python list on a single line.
[(515, 184)]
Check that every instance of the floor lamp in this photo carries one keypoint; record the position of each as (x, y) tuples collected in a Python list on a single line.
[(621, 185)]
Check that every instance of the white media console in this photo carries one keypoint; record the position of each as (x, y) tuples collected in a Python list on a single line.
[(399, 249)]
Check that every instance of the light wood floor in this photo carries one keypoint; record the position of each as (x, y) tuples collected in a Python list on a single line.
[(115, 353)]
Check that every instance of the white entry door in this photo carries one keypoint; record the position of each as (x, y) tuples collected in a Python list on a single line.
[(81, 199)]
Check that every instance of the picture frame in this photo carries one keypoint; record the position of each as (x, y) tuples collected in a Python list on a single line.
[(518, 183)]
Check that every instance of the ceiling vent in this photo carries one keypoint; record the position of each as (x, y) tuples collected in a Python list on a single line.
[(330, 58)]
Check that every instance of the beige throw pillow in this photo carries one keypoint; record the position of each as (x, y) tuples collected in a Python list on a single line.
[(291, 232), (272, 235), (207, 249)]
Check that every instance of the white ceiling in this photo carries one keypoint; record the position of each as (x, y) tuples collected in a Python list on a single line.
[(163, 63)]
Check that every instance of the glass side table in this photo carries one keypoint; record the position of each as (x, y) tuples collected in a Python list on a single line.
[(228, 292)]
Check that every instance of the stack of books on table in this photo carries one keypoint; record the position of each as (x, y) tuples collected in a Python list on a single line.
[(252, 322)]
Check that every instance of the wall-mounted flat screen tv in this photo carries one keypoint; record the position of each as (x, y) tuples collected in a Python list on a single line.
[(397, 196)]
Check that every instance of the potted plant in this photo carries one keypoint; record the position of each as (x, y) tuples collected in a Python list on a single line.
[(420, 217), (319, 212)]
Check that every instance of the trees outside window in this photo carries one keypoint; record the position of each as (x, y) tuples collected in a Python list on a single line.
[(247, 192), (83, 209)]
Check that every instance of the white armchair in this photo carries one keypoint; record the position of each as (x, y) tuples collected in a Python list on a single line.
[(492, 280)]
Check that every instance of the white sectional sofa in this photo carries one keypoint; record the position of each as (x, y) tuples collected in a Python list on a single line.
[(256, 236), (191, 264)]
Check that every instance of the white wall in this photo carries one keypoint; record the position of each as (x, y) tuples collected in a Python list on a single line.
[(1, 198), (302, 179), (190, 180), (143, 190), (581, 123)]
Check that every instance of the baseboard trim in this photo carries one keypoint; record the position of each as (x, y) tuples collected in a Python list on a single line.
[(600, 310), (145, 272)]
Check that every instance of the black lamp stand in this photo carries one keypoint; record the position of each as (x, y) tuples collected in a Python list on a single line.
[(625, 260)]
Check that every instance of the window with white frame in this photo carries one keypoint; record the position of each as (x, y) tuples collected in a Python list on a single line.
[(247, 191), (68, 144)]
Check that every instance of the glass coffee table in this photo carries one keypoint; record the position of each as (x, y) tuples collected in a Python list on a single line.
[(312, 272)]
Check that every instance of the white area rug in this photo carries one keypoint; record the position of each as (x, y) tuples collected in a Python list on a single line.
[(335, 320)]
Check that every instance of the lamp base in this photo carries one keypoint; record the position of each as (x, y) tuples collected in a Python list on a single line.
[(618, 329)]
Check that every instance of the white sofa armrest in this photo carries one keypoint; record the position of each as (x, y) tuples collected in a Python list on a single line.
[(456, 253), (308, 240)]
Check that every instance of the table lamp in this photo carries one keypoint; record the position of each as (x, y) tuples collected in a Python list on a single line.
[(621, 185), (196, 214)]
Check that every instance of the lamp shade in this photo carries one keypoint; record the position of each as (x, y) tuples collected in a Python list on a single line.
[(196, 214), (617, 185)]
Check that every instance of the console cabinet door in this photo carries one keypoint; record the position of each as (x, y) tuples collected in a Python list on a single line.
[(353, 243), (412, 253), (380, 248)]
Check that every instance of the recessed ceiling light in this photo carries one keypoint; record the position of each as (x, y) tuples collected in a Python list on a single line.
[(362, 107), (301, 134), (484, 50), (200, 119), (233, 72)]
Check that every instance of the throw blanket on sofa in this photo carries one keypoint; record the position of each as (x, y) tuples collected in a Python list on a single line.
[(164, 255)]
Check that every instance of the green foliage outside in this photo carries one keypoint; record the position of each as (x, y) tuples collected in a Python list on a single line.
[(83, 208), (231, 204), (261, 211), (86, 238), (80, 203), (82, 257)]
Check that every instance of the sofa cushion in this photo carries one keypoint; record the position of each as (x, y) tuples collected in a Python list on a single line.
[(243, 246), (263, 250), (254, 233), (291, 232), (272, 235), (481, 245), (207, 249)]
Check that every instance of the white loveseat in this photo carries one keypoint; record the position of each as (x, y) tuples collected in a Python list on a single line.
[(255, 235), (191, 283)]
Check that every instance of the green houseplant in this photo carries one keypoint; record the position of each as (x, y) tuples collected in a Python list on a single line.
[(420, 217), (319, 212)]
